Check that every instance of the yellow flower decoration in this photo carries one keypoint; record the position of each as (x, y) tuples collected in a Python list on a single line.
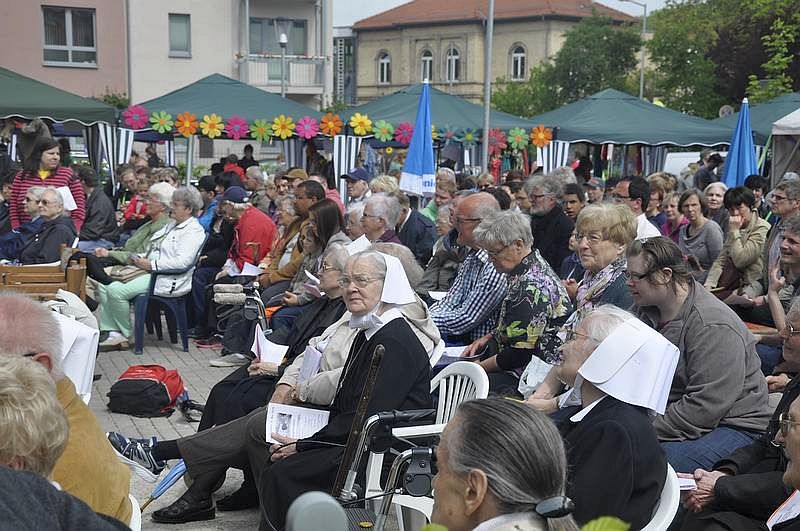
[(282, 127), (186, 124), (541, 136), (434, 133), (360, 123), (212, 125)]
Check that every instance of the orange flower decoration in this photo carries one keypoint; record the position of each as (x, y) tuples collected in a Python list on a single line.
[(186, 124), (541, 136), (331, 124)]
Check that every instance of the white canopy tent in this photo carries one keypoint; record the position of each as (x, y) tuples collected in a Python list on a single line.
[(786, 142)]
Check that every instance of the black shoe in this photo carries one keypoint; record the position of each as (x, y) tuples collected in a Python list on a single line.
[(185, 510), (240, 500)]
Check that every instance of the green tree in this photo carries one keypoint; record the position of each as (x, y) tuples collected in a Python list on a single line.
[(527, 98), (779, 58)]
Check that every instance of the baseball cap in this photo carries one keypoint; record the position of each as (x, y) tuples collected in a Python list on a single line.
[(235, 194), (296, 173), (594, 183), (357, 174)]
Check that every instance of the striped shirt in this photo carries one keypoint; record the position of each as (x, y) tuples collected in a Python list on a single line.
[(61, 176), (471, 304)]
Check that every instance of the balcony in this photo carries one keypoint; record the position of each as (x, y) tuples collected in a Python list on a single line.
[(304, 75)]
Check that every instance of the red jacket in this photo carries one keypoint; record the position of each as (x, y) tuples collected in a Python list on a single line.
[(235, 168), (61, 176), (253, 227)]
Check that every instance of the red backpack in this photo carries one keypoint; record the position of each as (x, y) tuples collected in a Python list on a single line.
[(146, 391)]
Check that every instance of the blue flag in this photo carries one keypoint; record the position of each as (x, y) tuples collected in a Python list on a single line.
[(419, 175), (741, 160)]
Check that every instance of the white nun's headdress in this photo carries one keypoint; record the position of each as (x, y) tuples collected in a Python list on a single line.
[(635, 364), (396, 290), (361, 243)]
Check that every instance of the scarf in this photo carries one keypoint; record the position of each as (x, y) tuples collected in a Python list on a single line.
[(592, 287)]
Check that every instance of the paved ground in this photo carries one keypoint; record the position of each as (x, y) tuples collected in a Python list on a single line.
[(198, 377)]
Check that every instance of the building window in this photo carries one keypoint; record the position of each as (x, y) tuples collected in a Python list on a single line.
[(518, 72), (180, 35), (69, 36), (384, 69), (452, 65), (264, 41), (426, 61)]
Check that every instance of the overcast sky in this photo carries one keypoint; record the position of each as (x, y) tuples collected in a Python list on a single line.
[(347, 12)]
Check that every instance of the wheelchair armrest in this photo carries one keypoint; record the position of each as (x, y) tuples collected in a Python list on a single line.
[(411, 432)]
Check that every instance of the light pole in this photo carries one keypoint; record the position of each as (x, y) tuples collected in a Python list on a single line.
[(643, 5), (487, 86), (282, 40)]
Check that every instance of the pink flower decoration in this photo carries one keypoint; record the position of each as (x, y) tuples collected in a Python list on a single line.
[(236, 127), (306, 127), (403, 132), (136, 116)]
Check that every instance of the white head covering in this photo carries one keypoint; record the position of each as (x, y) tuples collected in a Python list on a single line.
[(634, 364), (396, 291), (361, 243)]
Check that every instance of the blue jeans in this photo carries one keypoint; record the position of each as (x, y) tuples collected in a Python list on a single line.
[(203, 276), (688, 456), (285, 316), (88, 246), (770, 357)]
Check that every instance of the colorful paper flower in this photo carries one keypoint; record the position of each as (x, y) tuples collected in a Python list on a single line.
[(403, 133), (283, 127), (448, 134), (434, 133), (136, 116), (236, 127), (212, 125), (384, 131), (497, 141), (541, 136), (389, 150), (162, 122), (307, 127), (469, 138), (259, 130), (361, 124), (331, 124), (517, 138), (186, 124)]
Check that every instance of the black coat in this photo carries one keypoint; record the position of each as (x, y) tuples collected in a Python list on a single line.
[(616, 466), (100, 222), (551, 234), (403, 382), (45, 246), (418, 234)]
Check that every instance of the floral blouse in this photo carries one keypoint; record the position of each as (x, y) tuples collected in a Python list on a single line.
[(536, 306)]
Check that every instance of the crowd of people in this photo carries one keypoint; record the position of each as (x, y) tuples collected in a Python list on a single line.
[(612, 317)]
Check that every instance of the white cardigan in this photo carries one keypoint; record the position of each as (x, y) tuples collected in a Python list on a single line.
[(177, 250)]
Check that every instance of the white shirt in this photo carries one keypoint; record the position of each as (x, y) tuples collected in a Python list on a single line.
[(645, 229), (579, 416)]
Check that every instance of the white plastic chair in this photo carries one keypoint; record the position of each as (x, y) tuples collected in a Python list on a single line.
[(667, 503), (457, 383), (136, 515)]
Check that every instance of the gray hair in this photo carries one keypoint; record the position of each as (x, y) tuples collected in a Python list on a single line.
[(287, 203), (161, 192), (548, 184), (385, 207), (518, 449), (59, 199), (189, 197), (790, 176), (794, 309), (504, 227), (378, 263), (413, 270), (481, 205), (254, 172), (564, 174), (444, 211), (337, 255), (355, 208), (603, 320), (792, 189), (36, 192), (528, 185), (716, 183), (28, 327)]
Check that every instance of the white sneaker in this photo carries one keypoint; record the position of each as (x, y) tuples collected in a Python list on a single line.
[(115, 341), (231, 360)]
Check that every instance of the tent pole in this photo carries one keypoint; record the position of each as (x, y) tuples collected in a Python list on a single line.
[(487, 86), (189, 159)]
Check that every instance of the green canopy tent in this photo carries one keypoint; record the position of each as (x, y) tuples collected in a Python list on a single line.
[(763, 115), (614, 117)]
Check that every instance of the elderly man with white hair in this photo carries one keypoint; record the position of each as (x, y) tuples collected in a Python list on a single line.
[(254, 183), (550, 225), (57, 228), (381, 212), (88, 468)]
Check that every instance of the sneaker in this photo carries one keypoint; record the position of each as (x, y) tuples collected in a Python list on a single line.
[(231, 360), (138, 455), (211, 342), (114, 342)]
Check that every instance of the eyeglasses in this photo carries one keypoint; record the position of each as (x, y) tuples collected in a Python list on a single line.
[(785, 423), (357, 281), (777, 198), (789, 330), (556, 357), (618, 197), (44, 202), (630, 275), (539, 196), (591, 238), (497, 252), (325, 268), (462, 221)]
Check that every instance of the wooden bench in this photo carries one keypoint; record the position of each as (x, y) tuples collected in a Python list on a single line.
[(43, 281)]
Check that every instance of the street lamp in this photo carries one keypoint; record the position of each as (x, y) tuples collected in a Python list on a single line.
[(283, 26), (643, 5)]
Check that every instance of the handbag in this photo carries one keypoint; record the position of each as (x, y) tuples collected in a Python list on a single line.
[(730, 280), (125, 273)]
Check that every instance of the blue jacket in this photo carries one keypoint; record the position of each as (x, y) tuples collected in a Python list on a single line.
[(12, 242)]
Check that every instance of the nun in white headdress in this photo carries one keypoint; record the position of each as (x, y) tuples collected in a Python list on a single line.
[(374, 287), (620, 371)]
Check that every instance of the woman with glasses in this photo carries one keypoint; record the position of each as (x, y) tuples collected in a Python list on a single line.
[(700, 239), (742, 490), (535, 306), (608, 359), (12, 242), (718, 399)]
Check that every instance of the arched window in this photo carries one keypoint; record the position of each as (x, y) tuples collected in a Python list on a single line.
[(518, 66), (384, 69), (426, 62), (452, 65)]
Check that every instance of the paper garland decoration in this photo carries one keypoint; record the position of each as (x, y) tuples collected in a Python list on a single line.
[(162, 122), (283, 127), (361, 124), (212, 125), (306, 127), (403, 132), (448, 134), (136, 116), (236, 127), (517, 138), (541, 136), (384, 131), (469, 138), (331, 124), (497, 141), (186, 124), (259, 130)]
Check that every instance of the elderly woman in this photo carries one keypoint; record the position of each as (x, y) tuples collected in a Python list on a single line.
[(178, 247), (740, 262), (718, 399), (535, 307), (43, 168), (603, 232), (383, 183), (715, 194), (352, 219), (608, 359), (281, 262), (56, 229), (701, 239), (443, 265), (12, 242), (487, 480), (673, 217), (376, 315), (381, 212)]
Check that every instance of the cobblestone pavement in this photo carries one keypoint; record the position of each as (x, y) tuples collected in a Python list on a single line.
[(198, 378)]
